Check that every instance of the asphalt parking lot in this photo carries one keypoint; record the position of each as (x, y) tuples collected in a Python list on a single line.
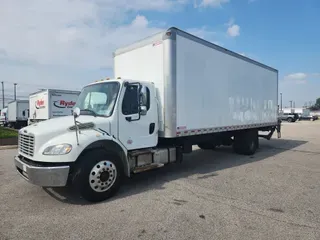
[(212, 195)]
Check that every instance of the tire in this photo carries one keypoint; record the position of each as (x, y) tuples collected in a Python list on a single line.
[(246, 143), (290, 119), (206, 146), (92, 167)]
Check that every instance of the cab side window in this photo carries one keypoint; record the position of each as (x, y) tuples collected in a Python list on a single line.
[(145, 97), (130, 104)]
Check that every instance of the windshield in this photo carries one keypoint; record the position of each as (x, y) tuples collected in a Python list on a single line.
[(98, 99)]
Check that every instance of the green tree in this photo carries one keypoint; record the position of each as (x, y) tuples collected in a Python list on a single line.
[(316, 106), (317, 103)]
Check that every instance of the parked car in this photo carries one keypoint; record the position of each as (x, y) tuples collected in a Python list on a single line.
[(289, 117), (308, 117)]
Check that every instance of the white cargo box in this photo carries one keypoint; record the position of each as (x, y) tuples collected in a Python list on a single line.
[(51, 103), (18, 110), (202, 87)]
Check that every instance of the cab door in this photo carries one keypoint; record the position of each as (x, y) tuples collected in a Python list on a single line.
[(138, 116)]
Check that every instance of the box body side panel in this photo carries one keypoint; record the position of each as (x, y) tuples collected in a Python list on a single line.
[(216, 90)]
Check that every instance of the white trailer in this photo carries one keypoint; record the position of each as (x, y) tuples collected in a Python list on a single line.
[(171, 91), (18, 112), (51, 103)]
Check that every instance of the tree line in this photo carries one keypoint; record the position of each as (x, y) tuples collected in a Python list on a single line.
[(316, 106)]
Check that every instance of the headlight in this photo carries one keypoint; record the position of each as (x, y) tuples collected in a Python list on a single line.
[(59, 149)]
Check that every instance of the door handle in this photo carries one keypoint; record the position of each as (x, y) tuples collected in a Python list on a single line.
[(151, 128)]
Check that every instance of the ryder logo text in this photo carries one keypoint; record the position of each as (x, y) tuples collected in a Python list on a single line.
[(39, 104), (64, 104)]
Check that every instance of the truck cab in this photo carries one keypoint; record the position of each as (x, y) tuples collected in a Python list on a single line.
[(111, 118), (128, 108)]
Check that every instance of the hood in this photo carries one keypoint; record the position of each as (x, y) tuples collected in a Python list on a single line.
[(56, 126)]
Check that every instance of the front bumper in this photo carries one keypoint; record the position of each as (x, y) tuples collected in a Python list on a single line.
[(45, 176)]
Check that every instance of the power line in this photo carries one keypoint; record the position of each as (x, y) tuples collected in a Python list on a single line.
[(30, 84)]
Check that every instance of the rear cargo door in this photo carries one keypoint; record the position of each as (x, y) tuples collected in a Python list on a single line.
[(136, 132), (12, 111), (22, 111), (38, 106)]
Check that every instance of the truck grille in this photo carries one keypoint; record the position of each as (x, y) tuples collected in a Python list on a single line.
[(26, 144)]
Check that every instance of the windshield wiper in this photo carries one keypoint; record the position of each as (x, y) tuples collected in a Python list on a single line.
[(89, 110)]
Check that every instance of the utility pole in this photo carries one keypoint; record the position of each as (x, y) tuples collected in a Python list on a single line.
[(290, 104), (2, 95), (15, 91), (281, 102)]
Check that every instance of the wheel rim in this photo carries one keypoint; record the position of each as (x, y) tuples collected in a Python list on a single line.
[(102, 176)]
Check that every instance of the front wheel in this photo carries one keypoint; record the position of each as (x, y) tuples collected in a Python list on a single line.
[(99, 175)]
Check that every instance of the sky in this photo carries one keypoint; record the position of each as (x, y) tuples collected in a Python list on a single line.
[(67, 44)]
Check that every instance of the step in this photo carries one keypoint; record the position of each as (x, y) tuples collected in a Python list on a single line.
[(147, 167), (141, 152)]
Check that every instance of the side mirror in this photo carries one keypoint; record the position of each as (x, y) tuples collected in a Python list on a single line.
[(143, 110), (76, 112)]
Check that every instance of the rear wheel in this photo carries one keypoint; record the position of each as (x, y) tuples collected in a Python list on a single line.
[(246, 142), (290, 119), (99, 175)]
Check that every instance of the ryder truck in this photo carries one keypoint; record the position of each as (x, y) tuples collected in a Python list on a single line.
[(171, 91), (51, 103)]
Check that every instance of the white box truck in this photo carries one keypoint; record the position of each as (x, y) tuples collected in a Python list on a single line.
[(18, 112), (51, 103), (3, 117), (170, 91)]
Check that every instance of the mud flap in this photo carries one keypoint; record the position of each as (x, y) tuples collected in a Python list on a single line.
[(279, 128)]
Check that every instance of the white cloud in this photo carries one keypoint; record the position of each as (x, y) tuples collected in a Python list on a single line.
[(296, 78), (233, 29), (76, 33), (211, 3), (55, 43)]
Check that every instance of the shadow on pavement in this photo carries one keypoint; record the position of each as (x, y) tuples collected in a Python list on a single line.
[(203, 162)]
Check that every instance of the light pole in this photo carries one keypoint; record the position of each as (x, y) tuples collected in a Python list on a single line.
[(15, 91), (281, 101), (2, 95)]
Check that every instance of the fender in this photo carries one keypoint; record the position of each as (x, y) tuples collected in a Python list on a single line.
[(113, 147)]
